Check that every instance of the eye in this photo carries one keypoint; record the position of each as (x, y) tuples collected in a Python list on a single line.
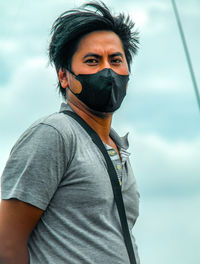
[(116, 61), (91, 61)]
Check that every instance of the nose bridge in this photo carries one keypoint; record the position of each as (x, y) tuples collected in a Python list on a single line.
[(105, 62)]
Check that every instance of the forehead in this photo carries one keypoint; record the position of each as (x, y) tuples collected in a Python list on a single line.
[(100, 41)]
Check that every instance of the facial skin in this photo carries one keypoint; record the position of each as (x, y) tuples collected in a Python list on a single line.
[(96, 51)]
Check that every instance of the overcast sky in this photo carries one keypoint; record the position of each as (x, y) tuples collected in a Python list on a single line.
[(160, 111)]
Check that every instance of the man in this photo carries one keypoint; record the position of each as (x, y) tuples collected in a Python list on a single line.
[(57, 201)]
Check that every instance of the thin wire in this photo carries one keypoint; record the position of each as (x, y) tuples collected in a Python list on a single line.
[(187, 53)]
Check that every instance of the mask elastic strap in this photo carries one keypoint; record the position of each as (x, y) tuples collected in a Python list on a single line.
[(71, 72), (74, 76)]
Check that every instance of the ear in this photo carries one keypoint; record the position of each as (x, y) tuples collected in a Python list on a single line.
[(62, 75)]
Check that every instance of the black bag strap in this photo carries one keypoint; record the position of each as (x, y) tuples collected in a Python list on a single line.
[(114, 182)]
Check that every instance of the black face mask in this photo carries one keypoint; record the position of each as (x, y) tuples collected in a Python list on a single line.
[(103, 91)]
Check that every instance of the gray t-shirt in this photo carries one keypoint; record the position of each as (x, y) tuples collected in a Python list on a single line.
[(56, 167)]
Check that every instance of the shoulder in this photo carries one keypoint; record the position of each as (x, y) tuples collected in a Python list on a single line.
[(55, 122), (48, 128), (56, 133)]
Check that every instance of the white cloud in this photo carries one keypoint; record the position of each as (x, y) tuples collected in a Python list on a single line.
[(163, 82), (31, 78), (139, 16), (174, 154), (8, 46), (166, 230), (163, 166)]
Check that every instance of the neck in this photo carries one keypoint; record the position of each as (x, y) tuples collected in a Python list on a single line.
[(101, 123)]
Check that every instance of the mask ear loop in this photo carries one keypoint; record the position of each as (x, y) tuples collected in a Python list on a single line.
[(74, 76), (71, 72)]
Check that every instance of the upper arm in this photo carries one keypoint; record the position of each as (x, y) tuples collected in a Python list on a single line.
[(35, 167), (28, 182), (17, 220)]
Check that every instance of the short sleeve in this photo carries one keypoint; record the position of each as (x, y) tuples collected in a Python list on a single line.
[(35, 167)]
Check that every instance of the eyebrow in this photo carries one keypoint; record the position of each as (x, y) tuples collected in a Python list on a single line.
[(116, 54), (98, 56)]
